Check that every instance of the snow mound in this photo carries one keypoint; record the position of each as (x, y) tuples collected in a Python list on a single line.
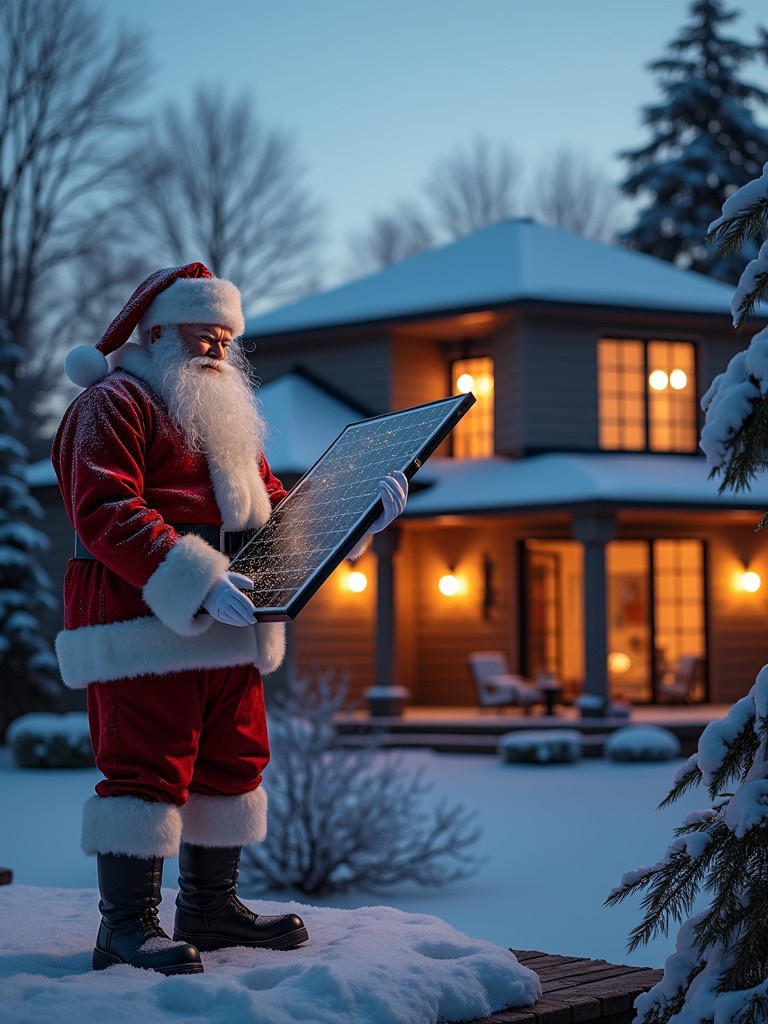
[(371, 964), (642, 743), (541, 746)]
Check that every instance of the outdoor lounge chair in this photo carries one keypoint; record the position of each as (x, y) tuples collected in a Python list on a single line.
[(496, 687), (677, 684)]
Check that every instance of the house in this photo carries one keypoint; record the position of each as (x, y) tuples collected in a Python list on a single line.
[(569, 520)]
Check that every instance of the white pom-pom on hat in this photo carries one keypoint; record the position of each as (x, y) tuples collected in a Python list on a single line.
[(85, 365)]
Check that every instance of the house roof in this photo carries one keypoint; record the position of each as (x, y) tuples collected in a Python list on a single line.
[(511, 261), (564, 480)]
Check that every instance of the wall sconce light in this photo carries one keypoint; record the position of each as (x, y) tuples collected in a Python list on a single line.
[(356, 581), (750, 582), (449, 585)]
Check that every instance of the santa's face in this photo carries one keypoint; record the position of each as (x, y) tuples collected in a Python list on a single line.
[(210, 340)]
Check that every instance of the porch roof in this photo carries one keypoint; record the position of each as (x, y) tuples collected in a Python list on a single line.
[(565, 479)]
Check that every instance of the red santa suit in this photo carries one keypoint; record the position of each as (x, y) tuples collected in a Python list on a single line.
[(175, 698)]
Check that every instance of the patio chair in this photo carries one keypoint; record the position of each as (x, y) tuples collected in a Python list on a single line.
[(677, 684), (496, 687)]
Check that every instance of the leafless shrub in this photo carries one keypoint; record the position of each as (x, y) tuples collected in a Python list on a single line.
[(344, 818)]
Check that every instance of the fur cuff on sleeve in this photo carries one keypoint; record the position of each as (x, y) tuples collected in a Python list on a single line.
[(176, 589)]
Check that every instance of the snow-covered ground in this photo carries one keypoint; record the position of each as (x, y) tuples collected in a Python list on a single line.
[(556, 839)]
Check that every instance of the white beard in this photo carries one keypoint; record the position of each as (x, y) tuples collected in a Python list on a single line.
[(217, 414)]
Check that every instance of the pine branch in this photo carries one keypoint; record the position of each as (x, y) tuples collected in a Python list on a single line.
[(671, 895), (731, 233), (751, 299), (686, 780), (745, 450), (737, 761)]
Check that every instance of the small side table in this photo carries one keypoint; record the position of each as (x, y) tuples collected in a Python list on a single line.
[(552, 695)]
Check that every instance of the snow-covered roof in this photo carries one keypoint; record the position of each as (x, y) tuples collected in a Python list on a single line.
[(565, 479), (512, 261), (302, 419)]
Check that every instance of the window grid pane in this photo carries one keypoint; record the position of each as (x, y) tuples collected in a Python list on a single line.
[(647, 395), (473, 436)]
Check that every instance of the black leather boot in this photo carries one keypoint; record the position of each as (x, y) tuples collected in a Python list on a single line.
[(130, 931), (208, 912)]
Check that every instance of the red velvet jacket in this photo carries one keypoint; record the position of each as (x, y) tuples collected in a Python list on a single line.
[(126, 473)]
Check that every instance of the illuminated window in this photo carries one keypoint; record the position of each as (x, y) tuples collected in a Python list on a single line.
[(473, 435), (647, 395)]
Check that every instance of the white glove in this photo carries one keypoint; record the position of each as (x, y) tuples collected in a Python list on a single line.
[(393, 491), (225, 602)]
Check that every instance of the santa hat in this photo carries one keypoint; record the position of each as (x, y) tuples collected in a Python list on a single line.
[(177, 295)]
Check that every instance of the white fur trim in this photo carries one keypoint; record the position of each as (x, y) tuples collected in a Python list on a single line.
[(129, 825), (131, 357), (136, 647), (225, 820), (176, 589), (199, 300), (241, 494), (85, 365)]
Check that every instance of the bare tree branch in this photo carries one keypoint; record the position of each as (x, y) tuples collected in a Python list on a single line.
[(65, 91), (573, 194), (215, 184), (474, 188), (391, 238), (346, 818)]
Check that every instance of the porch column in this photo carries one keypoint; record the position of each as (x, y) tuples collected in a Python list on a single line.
[(594, 530), (385, 544)]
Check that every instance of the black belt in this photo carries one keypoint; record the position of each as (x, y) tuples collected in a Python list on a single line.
[(227, 541)]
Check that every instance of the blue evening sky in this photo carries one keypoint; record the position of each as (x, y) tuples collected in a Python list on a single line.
[(377, 91)]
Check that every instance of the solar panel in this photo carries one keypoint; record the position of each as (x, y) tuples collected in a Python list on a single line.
[(333, 505)]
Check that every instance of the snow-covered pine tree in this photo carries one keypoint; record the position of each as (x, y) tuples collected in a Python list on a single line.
[(29, 678), (719, 971), (705, 142)]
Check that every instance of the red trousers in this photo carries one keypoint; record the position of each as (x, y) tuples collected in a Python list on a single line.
[(161, 737)]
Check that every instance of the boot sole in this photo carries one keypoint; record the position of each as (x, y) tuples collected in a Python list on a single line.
[(102, 960), (210, 942)]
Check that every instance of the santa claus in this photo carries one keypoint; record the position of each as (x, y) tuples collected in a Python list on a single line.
[(157, 459)]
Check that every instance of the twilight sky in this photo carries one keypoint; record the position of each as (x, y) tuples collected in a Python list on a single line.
[(377, 91)]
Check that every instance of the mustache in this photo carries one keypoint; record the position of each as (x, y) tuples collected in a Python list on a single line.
[(202, 362)]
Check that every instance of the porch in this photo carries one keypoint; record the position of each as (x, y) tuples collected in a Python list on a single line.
[(463, 730)]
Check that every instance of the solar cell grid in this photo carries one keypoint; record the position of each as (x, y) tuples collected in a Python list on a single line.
[(331, 508)]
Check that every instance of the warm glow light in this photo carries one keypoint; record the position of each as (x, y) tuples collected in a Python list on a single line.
[(619, 662), (448, 585), (678, 380), (658, 380), (357, 582), (483, 385), (465, 383), (750, 581)]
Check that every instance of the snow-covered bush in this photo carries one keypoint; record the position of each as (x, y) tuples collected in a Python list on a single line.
[(540, 746), (39, 740), (349, 817), (642, 743)]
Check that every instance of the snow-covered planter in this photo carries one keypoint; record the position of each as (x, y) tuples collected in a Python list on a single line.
[(41, 740), (387, 700), (540, 746), (590, 705), (642, 743)]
